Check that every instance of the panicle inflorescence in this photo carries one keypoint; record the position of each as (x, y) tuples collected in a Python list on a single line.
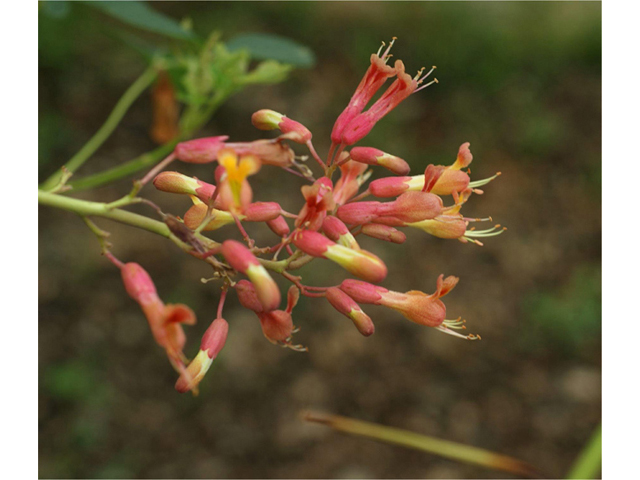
[(330, 218)]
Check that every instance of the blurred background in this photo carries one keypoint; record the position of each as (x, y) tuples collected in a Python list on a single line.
[(520, 81)]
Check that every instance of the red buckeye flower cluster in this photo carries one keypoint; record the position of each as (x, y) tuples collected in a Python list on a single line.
[(331, 217)]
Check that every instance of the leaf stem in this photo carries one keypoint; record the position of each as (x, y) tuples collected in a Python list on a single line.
[(589, 462), (107, 128)]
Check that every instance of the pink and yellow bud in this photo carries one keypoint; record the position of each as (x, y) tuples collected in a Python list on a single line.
[(174, 182), (212, 343), (443, 226), (337, 231), (279, 226), (247, 296), (373, 156), (383, 232), (348, 307), (292, 130), (360, 263), (200, 150), (262, 211), (242, 260), (393, 186)]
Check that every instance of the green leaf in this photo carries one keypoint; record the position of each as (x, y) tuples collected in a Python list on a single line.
[(140, 15), (268, 71), (265, 46)]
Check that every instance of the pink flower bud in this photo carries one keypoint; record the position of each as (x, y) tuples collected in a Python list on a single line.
[(266, 119), (174, 182), (348, 307), (201, 150), (138, 283), (360, 263), (262, 211), (279, 226), (412, 207), (338, 232), (391, 186), (212, 343), (242, 260), (384, 232), (373, 156), (294, 131), (358, 213), (247, 296), (362, 292)]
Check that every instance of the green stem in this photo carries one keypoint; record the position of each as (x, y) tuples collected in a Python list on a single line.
[(114, 118), (436, 446), (87, 208), (145, 160), (589, 462)]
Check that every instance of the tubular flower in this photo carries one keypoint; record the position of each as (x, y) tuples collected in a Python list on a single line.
[(408, 207), (318, 199), (235, 191), (242, 260), (360, 263), (349, 308), (373, 79), (352, 176), (373, 156), (174, 182), (292, 130), (338, 232), (165, 320), (451, 224), (201, 150), (212, 343), (416, 306), (400, 89)]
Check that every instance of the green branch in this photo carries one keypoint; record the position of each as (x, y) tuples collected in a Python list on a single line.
[(436, 446), (114, 118)]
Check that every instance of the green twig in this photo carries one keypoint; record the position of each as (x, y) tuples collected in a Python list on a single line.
[(114, 118), (443, 448), (589, 462)]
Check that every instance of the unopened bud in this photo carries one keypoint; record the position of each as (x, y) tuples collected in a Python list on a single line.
[(200, 150), (337, 231), (212, 343), (247, 296), (360, 263), (279, 226), (174, 182), (262, 211), (348, 307), (383, 232), (242, 260), (373, 156)]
